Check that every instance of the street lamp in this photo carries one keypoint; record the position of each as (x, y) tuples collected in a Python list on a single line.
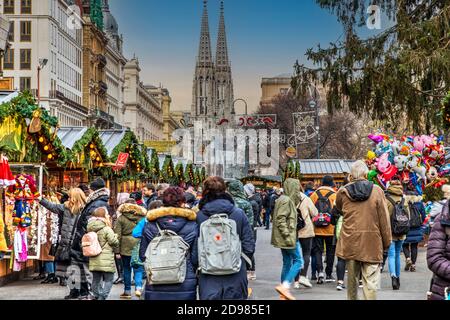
[(42, 64), (314, 105), (247, 149)]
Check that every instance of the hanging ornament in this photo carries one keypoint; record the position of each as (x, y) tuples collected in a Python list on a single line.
[(46, 148), (41, 139), (35, 124), (50, 156), (92, 146)]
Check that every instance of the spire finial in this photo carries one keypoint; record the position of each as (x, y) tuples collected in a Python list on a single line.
[(205, 3), (222, 7)]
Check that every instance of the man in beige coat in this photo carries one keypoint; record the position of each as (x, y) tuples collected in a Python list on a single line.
[(366, 231)]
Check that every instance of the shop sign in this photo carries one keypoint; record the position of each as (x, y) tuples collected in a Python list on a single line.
[(121, 161)]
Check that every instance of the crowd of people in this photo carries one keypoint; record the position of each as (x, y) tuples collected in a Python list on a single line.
[(363, 226), (174, 243)]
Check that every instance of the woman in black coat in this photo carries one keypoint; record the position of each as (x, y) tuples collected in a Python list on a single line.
[(97, 199), (216, 201), (175, 218)]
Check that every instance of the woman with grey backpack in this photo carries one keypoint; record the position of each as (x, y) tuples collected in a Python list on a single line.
[(169, 249), (223, 273)]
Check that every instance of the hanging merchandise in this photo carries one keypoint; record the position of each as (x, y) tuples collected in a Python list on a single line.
[(3, 245), (20, 248), (6, 176), (24, 192)]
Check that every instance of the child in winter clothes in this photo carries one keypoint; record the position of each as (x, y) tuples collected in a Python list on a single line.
[(102, 266)]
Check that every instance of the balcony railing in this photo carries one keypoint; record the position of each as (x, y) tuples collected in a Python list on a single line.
[(55, 94), (102, 87)]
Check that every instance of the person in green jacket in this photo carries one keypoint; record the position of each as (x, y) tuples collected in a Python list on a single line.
[(284, 236), (236, 189), (102, 266), (130, 215)]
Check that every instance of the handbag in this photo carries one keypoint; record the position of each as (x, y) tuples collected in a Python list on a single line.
[(53, 250), (301, 224)]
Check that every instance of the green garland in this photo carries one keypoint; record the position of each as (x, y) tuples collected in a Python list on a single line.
[(154, 171), (168, 172), (82, 146), (179, 171), (203, 175), (189, 177), (130, 144)]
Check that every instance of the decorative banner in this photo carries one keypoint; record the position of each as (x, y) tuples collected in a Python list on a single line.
[(121, 161), (304, 126), (256, 120)]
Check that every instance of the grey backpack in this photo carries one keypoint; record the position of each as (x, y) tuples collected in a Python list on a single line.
[(219, 246), (166, 258)]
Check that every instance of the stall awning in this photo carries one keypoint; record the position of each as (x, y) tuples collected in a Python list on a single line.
[(324, 167), (70, 135), (111, 139)]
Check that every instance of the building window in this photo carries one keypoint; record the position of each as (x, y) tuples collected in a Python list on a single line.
[(11, 31), (25, 31), (8, 6), (25, 7), (284, 91), (25, 59), (8, 62), (25, 84)]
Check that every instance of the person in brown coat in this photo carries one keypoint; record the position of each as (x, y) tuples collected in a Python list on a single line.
[(366, 231)]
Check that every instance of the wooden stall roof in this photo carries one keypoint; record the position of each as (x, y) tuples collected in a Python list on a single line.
[(324, 167)]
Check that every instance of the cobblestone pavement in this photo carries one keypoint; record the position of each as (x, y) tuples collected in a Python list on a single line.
[(268, 264)]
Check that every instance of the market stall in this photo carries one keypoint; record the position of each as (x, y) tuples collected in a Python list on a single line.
[(129, 161), (263, 182), (87, 156), (28, 144)]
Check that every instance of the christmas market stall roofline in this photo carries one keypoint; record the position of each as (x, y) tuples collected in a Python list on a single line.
[(28, 133)]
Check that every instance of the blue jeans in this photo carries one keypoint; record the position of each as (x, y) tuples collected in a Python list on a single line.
[(49, 267), (292, 263), (267, 218), (138, 273), (394, 258)]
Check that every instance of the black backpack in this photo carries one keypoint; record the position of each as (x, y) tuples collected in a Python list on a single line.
[(400, 218), (415, 216), (324, 207)]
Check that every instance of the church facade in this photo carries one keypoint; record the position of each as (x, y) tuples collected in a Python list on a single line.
[(212, 90)]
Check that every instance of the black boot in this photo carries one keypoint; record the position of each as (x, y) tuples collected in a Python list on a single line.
[(46, 280), (62, 281), (395, 283), (74, 294), (52, 279)]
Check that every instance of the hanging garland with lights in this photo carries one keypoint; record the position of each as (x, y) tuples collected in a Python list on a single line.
[(179, 171), (38, 141), (154, 171), (168, 172), (203, 175), (189, 175), (89, 151), (292, 170), (136, 165)]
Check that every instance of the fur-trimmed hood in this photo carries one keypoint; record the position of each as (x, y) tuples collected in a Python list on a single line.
[(133, 209), (98, 194), (155, 214)]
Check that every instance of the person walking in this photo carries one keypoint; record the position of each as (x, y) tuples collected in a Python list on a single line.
[(324, 199), (267, 209), (130, 216), (438, 252), (396, 199), (306, 237), (102, 266), (366, 231), (99, 197), (236, 189), (120, 199), (149, 194), (285, 236), (416, 232), (216, 201), (68, 214), (256, 203), (182, 221), (309, 188)]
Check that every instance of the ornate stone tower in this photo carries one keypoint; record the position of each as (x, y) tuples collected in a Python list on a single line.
[(204, 88), (224, 80)]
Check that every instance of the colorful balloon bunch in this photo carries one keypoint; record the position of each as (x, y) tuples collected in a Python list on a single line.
[(417, 161)]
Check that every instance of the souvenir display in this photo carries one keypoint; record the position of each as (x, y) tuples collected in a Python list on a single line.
[(6, 177), (418, 161)]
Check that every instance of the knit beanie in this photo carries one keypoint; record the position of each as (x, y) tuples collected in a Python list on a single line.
[(97, 184)]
